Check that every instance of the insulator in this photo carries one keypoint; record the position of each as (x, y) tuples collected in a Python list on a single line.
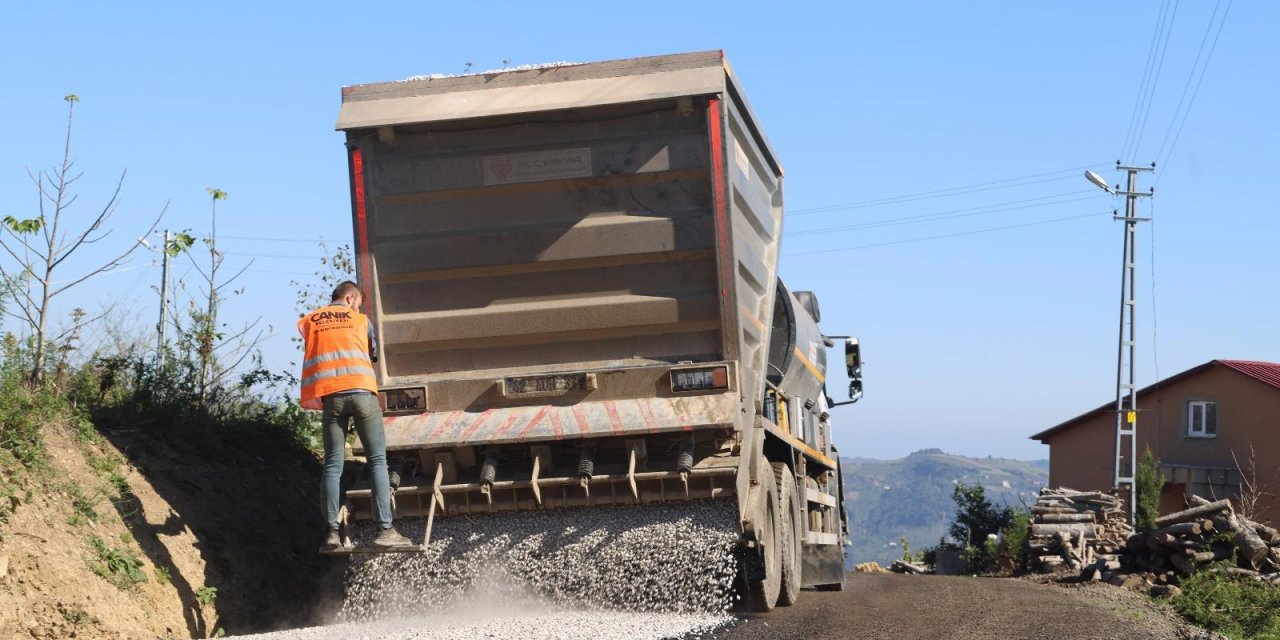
[(684, 462), (587, 463), (489, 470)]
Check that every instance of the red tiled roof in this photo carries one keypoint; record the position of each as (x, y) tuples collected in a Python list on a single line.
[(1264, 372), (1267, 373)]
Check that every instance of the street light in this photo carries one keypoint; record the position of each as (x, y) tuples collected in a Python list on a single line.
[(1097, 179)]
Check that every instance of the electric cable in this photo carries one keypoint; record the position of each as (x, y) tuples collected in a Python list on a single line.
[(1142, 126), (1161, 156), (949, 235), (1002, 207), (948, 192), (1146, 75)]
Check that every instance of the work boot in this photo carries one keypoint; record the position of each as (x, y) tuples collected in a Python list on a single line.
[(391, 538), (333, 540)]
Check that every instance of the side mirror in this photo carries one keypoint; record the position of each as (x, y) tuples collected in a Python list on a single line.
[(855, 390), (853, 358), (853, 366)]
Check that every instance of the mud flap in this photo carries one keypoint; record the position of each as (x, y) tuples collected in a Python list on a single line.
[(823, 565)]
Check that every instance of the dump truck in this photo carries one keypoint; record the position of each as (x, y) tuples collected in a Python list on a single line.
[(573, 274)]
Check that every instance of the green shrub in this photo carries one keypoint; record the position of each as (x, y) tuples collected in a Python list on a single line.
[(1011, 554), (1237, 607), (24, 412), (83, 506), (247, 420), (102, 463), (207, 595), (1148, 483), (75, 616), (162, 575), (119, 567)]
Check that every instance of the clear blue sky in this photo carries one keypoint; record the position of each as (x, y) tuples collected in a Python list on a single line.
[(972, 342)]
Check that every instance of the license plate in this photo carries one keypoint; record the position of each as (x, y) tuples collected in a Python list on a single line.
[(553, 385)]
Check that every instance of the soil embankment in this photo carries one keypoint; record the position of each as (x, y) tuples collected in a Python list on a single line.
[(124, 537)]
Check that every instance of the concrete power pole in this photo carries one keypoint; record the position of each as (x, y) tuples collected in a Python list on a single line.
[(1126, 388), (164, 295)]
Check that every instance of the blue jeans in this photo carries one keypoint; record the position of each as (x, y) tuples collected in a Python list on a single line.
[(339, 409)]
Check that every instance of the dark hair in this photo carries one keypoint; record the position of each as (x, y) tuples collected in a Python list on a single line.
[(344, 289)]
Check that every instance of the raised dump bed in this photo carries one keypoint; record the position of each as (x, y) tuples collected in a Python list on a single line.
[(573, 274)]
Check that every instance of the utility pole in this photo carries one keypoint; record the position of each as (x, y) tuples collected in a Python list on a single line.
[(1126, 378), (164, 295)]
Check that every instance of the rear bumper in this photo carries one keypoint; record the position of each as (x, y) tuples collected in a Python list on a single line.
[(525, 424), (708, 482)]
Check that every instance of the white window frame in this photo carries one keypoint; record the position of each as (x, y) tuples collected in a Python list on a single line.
[(1203, 430)]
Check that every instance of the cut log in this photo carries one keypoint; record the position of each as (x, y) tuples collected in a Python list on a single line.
[(1194, 513), (899, 566), (1196, 501), (1180, 529), (1182, 563), (1246, 573), (1063, 518), (1251, 547), (1090, 531), (1202, 556), (1041, 510), (1268, 534), (1092, 495)]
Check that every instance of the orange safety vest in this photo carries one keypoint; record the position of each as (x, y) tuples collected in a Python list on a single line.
[(336, 356)]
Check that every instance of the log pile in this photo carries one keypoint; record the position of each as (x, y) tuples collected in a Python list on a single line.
[(1072, 530), (1188, 541), (870, 567), (911, 568)]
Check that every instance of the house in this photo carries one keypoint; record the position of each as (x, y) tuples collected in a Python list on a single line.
[(1212, 427)]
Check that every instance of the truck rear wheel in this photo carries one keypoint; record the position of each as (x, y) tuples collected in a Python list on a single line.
[(789, 534), (762, 566)]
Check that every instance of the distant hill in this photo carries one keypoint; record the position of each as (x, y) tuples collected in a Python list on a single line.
[(911, 497)]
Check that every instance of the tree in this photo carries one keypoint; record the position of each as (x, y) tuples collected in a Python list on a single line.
[(976, 516), (334, 268), (1253, 490), (203, 333), (40, 246), (1147, 484)]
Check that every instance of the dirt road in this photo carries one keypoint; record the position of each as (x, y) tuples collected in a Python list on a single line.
[(875, 606)]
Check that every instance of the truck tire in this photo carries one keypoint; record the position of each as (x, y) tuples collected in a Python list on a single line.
[(789, 534), (762, 565)]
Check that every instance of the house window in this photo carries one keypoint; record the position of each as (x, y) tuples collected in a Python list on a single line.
[(1202, 419)]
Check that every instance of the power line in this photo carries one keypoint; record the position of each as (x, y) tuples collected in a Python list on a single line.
[(1146, 75), (1155, 326), (1001, 207), (1203, 70), (948, 192), (316, 240), (1142, 126), (272, 255), (949, 235)]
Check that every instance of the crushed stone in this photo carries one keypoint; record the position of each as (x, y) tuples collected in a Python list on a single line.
[(643, 572), (521, 67)]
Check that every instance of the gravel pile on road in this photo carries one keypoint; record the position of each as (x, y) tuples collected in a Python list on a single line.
[(653, 571), (555, 625)]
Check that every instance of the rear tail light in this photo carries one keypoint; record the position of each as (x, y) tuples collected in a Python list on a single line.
[(700, 379), (411, 400)]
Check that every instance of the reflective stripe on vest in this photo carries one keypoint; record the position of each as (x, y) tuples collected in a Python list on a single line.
[(336, 354)]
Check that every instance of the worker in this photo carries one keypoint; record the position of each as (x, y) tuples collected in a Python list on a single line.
[(337, 379)]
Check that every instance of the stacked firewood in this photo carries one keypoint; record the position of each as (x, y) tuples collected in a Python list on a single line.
[(1190, 540), (1071, 530)]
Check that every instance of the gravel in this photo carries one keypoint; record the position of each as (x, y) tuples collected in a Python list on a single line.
[(521, 67), (653, 571)]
